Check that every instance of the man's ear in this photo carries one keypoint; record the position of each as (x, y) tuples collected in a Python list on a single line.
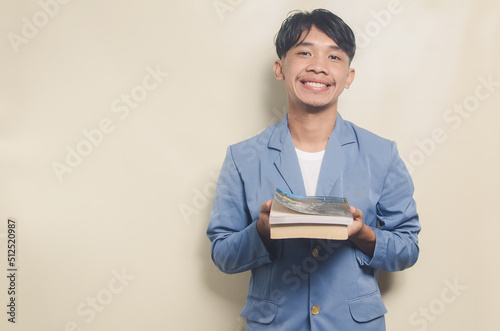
[(278, 70), (350, 77)]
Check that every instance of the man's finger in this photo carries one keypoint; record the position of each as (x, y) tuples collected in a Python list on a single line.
[(266, 206), (356, 212)]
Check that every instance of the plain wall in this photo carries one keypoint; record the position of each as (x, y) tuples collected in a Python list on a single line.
[(151, 93)]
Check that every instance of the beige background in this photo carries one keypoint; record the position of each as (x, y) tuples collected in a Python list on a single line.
[(137, 204)]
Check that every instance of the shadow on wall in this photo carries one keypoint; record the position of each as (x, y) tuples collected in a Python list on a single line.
[(233, 288), (385, 281), (274, 93), (230, 289)]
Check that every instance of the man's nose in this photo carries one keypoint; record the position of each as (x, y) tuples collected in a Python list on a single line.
[(318, 65)]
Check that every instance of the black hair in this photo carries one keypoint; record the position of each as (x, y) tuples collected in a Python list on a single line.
[(330, 24)]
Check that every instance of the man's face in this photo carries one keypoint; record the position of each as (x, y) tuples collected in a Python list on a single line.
[(315, 72)]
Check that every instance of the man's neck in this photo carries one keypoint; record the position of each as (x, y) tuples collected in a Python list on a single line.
[(310, 131)]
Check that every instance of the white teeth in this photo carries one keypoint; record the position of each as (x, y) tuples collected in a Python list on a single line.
[(314, 84)]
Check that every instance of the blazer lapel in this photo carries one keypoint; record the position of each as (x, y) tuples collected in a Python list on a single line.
[(331, 169), (287, 162), (330, 182), (330, 176)]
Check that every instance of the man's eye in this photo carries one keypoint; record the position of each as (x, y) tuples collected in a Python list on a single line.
[(334, 57), (304, 53)]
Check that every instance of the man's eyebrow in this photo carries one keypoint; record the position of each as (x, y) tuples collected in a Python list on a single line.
[(308, 44)]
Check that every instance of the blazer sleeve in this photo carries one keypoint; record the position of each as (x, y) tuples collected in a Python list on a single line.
[(236, 243), (396, 246)]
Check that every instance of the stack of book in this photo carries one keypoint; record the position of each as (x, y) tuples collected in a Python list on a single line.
[(320, 217)]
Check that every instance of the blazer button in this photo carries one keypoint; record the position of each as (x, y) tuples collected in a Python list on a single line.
[(315, 252), (315, 310)]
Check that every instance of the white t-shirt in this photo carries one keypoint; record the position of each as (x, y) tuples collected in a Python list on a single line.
[(310, 165)]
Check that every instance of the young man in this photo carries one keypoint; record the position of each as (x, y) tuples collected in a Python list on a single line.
[(308, 284)]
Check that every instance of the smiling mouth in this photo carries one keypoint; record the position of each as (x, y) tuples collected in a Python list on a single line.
[(314, 84)]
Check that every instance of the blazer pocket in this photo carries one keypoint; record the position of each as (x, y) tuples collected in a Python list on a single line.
[(259, 310), (367, 308)]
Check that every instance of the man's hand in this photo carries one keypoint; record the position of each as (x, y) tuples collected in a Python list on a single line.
[(357, 223), (360, 234), (263, 222)]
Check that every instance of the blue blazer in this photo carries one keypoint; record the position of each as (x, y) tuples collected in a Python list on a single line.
[(308, 284)]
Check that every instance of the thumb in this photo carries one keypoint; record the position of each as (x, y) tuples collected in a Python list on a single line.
[(266, 206), (354, 212)]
